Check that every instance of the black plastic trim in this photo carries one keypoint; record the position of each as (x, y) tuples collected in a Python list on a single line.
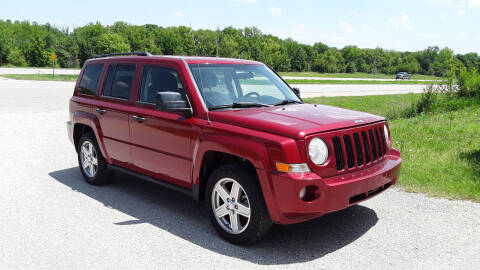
[(123, 54), (152, 180)]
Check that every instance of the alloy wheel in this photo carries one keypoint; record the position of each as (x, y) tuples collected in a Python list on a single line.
[(231, 206), (89, 159)]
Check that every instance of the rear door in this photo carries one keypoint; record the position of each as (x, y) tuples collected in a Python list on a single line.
[(113, 112), (160, 140)]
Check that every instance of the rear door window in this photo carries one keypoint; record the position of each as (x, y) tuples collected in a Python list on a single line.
[(118, 83), (89, 81)]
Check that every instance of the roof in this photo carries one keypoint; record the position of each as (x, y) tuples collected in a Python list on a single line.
[(187, 59)]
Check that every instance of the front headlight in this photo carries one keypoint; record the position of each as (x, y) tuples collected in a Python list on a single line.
[(318, 151), (387, 138)]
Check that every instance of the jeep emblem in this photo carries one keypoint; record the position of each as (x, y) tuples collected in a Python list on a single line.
[(359, 121)]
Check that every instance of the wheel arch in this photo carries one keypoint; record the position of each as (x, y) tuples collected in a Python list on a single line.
[(87, 122), (212, 160)]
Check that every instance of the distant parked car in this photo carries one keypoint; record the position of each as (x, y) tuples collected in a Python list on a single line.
[(403, 76)]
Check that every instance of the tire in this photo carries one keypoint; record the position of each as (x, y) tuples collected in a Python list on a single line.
[(94, 174), (249, 196)]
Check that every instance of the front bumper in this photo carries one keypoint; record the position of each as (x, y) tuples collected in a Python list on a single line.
[(332, 193)]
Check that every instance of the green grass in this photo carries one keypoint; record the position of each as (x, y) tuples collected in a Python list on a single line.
[(42, 77), (355, 75), (440, 151), (300, 81), (389, 106)]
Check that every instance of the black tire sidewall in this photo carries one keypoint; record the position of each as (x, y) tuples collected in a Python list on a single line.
[(260, 222)]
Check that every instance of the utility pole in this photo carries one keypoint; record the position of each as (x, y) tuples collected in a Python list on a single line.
[(217, 39)]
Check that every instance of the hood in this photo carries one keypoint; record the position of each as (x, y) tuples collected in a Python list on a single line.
[(295, 121)]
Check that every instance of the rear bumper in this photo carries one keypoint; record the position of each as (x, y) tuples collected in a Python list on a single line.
[(70, 130), (330, 194)]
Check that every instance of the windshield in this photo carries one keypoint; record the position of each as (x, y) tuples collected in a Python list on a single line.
[(229, 84)]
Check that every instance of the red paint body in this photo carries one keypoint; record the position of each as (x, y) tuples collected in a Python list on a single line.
[(171, 148)]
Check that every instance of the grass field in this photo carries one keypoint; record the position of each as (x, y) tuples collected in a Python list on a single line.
[(41, 77), (389, 106), (297, 81), (355, 75), (440, 151)]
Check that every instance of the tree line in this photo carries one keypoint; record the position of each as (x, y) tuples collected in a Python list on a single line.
[(23, 43)]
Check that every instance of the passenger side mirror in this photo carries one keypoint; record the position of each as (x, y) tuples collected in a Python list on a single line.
[(173, 102), (296, 91)]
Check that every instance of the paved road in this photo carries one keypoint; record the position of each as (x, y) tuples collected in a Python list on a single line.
[(51, 219), (76, 71), (38, 71), (307, 90)]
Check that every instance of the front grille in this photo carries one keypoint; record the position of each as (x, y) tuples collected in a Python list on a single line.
[(359, 148), (338, 152)]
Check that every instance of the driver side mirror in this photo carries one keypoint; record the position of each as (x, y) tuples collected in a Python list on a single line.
[(173, 102), (296, 91)]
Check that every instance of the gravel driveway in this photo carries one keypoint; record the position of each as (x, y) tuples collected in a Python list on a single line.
[(50, 218)]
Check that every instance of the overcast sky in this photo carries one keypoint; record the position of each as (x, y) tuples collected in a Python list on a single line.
[(404, 25)]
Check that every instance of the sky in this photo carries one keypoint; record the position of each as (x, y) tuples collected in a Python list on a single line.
[(406, 25)]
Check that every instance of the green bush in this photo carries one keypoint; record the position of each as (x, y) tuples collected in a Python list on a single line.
[(469, 83), (438, 99), (16, 58)]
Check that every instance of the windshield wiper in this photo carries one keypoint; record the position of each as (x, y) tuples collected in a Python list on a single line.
[(239, 105), (285, 102)]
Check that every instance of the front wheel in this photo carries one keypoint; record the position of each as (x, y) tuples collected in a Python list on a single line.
[(237, 209)]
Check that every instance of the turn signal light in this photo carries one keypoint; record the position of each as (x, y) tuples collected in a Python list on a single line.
[(292, 168)]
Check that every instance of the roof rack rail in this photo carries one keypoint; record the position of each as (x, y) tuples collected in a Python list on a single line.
[(123, 54)]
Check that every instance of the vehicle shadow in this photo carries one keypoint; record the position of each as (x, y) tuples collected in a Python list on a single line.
[(178, 214)]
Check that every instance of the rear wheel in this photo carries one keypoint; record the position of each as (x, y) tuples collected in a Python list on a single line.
[(237, 209), (91, 162)]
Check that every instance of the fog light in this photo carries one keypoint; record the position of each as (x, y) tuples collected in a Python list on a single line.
[(302, 193), (309, 193)]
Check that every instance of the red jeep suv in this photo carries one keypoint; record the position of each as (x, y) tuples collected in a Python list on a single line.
[(228, 132)]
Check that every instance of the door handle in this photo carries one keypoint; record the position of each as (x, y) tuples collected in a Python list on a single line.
[(100, 110), (139, 119)]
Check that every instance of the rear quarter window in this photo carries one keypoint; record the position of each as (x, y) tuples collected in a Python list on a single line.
[(89, 81)]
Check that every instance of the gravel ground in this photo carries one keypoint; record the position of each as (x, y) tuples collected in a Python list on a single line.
[(50, 218)]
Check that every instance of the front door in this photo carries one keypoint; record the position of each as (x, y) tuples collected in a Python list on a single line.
[(160, 140)]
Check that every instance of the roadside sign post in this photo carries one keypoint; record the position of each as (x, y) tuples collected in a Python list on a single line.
[(53, 56)]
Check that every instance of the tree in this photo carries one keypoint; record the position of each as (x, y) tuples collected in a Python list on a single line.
[(111, 43), (296, 54), (36, 53), (30, 43), (16, 58), (86, 38)]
